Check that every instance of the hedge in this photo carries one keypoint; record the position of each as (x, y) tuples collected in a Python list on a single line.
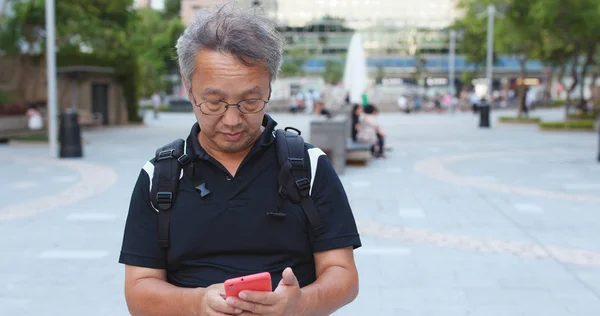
[(583, 116), (580, 125), (512, 119)]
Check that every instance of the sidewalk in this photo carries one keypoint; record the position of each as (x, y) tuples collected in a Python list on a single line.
[(456, 221)]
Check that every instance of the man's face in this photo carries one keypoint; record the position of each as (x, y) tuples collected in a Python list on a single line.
[(223, 77)]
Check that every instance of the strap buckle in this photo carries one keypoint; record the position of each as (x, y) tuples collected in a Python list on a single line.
[(282, 192), (184, 159), (165, 154), (303, 186), (297, 163), (164, 200)]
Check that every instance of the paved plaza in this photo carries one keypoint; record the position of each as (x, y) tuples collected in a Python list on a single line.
[(457, 220)]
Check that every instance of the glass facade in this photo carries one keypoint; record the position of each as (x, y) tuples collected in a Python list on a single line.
[(398, 35), (388, 27)]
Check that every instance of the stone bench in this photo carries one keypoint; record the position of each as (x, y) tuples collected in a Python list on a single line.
[(331, 135), (357, 152)]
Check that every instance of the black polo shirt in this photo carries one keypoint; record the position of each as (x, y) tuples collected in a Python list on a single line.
[(227, 233)]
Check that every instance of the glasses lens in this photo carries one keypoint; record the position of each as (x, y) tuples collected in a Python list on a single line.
[(252, 105), (213, 107)]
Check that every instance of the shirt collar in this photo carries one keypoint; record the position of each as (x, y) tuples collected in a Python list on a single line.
[(194, 150)]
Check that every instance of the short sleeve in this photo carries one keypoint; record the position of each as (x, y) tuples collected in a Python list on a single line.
[(140, 238), (329, 196)]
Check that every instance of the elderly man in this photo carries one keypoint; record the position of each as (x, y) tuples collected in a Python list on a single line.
[(223, 223)]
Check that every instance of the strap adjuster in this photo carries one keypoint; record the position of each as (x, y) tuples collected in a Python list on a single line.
[(303, 186), (164, 200), (165, 154), (297, 163), (184, 159), (282, 192)]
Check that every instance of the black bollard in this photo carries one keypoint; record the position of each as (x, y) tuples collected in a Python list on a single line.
[(598, 126), (70, 135), (484, 115)]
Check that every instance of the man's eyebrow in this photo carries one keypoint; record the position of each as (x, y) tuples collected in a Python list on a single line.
[(212, 91), (207, 91), (255, 89)]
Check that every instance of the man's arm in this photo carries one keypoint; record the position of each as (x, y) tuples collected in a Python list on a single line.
[(336, 284), (148, 293)]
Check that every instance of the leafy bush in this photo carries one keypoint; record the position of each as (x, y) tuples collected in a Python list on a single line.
[(512, 119), (569, 125), (3, 97), (556, 103), (583, 116)]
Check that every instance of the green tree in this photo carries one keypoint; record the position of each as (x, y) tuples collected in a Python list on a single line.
[(334, 72), (88, 32), (571, 36), (172, 9), (473, 30), (379, 75), (153, 38), (293, 61), (518, 33)]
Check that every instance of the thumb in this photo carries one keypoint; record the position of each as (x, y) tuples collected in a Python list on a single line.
[(288, 277)]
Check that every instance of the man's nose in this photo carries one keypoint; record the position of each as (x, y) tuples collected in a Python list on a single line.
[(232, 116)]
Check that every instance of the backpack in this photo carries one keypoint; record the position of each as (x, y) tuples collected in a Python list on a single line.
[(293, 184)]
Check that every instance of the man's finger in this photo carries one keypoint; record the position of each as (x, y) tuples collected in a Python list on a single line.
[(259, 297), (218, 304), (251, 307), (289, 278)]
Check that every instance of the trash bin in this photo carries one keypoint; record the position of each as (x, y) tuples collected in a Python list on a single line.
[(70, 135), (484, 115), (598, 129)]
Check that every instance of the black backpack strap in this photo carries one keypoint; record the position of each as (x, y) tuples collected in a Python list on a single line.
[(168, 163), (294, 176)]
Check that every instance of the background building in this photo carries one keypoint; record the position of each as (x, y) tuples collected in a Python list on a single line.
[(189, 7), (405, 41)]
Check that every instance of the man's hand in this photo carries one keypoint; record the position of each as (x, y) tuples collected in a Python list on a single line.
[(285, 300), (214, 302)]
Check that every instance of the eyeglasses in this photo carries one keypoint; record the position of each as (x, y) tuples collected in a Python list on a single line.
[(216, 108)]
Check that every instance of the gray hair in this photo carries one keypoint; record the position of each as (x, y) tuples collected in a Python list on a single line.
[(244, 33)]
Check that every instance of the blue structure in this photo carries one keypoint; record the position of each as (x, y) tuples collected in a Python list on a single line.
[(438, 64)]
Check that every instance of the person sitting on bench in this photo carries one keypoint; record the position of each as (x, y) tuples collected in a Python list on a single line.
[(320, 109), (356, 112), (370, 131)]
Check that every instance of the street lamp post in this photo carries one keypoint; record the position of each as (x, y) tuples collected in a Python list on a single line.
[(51, 76)]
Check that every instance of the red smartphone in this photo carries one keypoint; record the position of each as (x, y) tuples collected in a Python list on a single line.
[(254, 282)]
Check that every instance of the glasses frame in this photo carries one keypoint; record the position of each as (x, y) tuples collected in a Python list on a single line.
[(227, 105)]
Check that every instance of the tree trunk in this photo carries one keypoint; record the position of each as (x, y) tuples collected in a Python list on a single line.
[(522, 91), (575, 82), (595, 75), (589, 59)]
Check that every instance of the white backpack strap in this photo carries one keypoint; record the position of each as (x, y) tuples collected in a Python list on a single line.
[(314, 154)]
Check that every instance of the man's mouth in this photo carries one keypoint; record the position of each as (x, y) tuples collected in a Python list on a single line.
[(233, 136)]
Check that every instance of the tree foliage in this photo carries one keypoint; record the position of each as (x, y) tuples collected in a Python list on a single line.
[(334, 71), (563, 34), (138, 44)]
